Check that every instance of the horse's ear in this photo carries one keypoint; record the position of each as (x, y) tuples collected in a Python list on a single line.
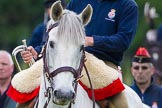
[(86, 14), (56, 11)]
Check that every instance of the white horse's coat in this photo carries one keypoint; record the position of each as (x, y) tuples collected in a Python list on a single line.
[(64, 49)]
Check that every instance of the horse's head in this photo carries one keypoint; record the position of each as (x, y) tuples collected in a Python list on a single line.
[(64, 51)]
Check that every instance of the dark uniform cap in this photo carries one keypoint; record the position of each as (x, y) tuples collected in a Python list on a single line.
[(48, 3), (142, 56)]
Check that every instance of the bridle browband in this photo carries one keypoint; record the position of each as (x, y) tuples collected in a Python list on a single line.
[(76, 72)]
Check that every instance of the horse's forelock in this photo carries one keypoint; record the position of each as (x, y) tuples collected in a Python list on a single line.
[(70, 28)]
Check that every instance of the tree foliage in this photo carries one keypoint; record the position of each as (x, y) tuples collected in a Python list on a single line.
[(18, 18)]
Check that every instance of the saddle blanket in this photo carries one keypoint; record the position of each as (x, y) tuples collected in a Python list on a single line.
[(105, 81)]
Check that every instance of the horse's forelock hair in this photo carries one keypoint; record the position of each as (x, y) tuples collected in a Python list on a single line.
[(70, 28)]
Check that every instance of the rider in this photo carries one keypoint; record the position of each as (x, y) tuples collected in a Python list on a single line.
[(110, 31)]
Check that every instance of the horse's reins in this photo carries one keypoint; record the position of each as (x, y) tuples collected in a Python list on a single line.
[(76, 73)]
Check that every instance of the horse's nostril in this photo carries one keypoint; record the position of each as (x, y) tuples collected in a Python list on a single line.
[(64, 94), (73, 95), (56, 93)]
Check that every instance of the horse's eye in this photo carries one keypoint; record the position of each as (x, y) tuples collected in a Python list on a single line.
[(51, 44)]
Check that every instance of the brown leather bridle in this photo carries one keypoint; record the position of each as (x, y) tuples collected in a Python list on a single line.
[(76, 72)]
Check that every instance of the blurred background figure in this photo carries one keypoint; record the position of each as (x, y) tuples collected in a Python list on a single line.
[(159, 33), (38, 36), (6, 72), (152, 42), (150, 16), (142, 71)]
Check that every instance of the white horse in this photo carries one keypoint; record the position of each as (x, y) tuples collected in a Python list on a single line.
[(63, 58)]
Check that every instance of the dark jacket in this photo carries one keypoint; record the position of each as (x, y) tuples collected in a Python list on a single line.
[(113, 26), (37, 37), (151, 95), (6, 102)]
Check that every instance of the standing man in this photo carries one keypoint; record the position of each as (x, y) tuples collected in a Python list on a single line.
[(142, 70), (6, 72)]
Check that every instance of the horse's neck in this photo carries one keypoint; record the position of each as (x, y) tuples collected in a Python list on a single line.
[(82, 100)]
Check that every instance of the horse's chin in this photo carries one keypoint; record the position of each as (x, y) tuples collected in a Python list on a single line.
[(61, 102)]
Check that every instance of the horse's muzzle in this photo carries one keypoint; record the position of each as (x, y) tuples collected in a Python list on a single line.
[(63, 97)]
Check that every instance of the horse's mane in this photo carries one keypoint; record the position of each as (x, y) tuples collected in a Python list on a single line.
[(70, 28)]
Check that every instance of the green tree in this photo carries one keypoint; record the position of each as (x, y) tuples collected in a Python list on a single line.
[(18, 18)]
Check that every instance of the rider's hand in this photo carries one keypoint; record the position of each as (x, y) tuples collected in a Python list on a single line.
[(89, 41), (29, 54)]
